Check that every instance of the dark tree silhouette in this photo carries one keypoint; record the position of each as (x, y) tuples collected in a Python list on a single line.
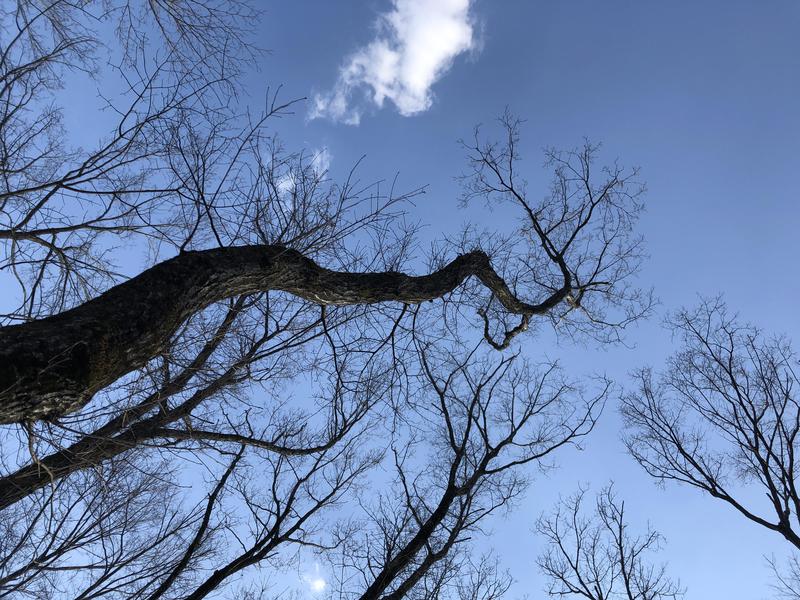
[(482, 422), (153, 445), (595, 556), (723, 417), (723, 412)]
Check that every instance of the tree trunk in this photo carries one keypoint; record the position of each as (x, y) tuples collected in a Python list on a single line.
[(54, 366)]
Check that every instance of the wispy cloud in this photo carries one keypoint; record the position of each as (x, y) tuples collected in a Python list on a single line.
[(319, 164), (321, 160), (415, 45)]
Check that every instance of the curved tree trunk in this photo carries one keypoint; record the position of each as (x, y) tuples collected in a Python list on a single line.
[(54, 366)]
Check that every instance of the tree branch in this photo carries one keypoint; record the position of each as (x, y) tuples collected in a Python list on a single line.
[(54, 366)]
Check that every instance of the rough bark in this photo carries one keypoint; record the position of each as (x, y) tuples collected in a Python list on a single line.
[(55, 365)]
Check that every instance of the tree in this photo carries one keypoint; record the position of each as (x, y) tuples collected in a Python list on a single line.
[(261, 274), (596, 557), (723, 417), (480, 423)]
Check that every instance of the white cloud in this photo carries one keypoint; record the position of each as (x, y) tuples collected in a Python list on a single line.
[(415, 45), (320, 163)]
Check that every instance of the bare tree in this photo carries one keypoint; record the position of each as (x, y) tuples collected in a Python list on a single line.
[(596, 557), (723, 413), (723, 417), (578, 257), (263, 277), (482, 422)]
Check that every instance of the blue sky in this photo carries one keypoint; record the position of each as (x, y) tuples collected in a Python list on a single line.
[(702, 96)]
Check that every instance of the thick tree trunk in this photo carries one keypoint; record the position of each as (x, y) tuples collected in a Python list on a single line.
[(54, 366)]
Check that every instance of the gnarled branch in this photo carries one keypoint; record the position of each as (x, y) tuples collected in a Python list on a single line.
[(54, 366)]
